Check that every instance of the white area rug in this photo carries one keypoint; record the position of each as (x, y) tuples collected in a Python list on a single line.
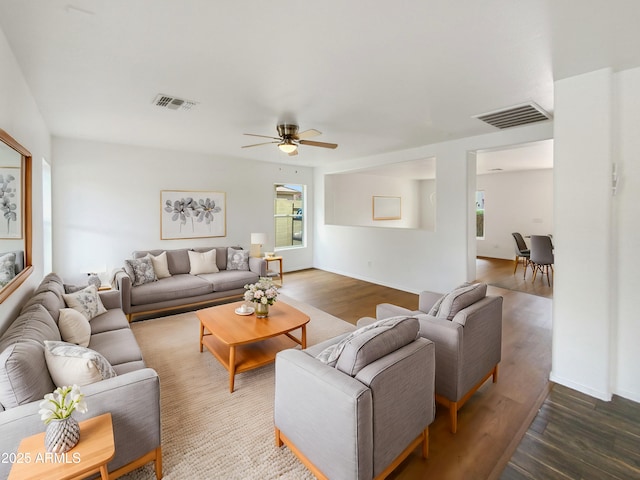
[(207, 432)]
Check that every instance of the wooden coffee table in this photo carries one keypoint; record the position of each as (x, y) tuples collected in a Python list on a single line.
[(245, 342)]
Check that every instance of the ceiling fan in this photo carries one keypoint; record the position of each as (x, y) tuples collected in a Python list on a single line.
[(289, 139)]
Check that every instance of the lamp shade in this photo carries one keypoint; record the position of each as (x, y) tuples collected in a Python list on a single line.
[(258, 238), (287, 146)]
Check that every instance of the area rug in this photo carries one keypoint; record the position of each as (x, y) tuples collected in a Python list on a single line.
[(207, 432)]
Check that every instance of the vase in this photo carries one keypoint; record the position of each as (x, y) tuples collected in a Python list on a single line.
[(262, 310), (61, 435)]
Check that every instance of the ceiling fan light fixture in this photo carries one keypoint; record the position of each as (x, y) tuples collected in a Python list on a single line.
[(287, 146)]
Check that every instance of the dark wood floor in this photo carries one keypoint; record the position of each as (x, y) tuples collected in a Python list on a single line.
[(523, 427)]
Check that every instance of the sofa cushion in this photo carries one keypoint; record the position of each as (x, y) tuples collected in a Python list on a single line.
[(178, 261), (140, 270), (229, 279), (34, 323), (221, 255), (7, 268), (86, 301), (74, 327), (461, 298), (369, 343), (237, 259), (160, 265), (172, 288), (117, 346), (52, 282), (24, 376), (113, 319), (71, 364), (203, 262), (49, 300)]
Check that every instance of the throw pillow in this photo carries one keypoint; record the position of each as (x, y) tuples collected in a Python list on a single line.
[(436, 306), (74, 327), (160, 265), (86, 301), (7, 268), (237, 259), (142, 269), (204, 262), (461, 298), (70, 364)]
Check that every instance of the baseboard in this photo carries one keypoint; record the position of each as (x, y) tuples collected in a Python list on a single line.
[(606, 396)]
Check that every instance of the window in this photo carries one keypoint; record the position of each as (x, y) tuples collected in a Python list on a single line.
[(289, 215), (480, 215)]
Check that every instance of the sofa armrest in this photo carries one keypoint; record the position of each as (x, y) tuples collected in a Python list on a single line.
[(123, 284), (338, 436), (387, 310), (133, 400), (258, 265), (426, 300), (110, 299)]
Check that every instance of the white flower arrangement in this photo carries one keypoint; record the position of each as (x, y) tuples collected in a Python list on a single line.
[(263, 291), (62, 403)]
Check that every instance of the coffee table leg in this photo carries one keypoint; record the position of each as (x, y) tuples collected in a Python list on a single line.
[(303, 337), (232, 367), (201, 335)]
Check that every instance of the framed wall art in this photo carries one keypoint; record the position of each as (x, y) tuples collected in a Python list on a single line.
[(192, 214), (387, 208), (10, 202)]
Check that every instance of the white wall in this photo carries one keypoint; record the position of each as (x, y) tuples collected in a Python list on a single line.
[(415, 259), (20, 118), (596, 332), (626, 281), (514, 202), (106, 201)]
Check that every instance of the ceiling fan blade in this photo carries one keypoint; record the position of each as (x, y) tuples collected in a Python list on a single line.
[(258, 144), (312, 132), (318, 144), (295, 152), (262, 136)]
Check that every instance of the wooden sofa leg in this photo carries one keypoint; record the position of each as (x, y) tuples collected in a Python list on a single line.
[(495, 374), (158, 463), (453, 416), (278, 439), (425, 443)]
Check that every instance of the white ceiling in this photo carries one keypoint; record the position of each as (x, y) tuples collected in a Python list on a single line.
[(374, 76)]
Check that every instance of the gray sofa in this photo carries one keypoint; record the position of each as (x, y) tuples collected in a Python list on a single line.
[(132, 396), (182, 289), (355, 406), (466, 327)]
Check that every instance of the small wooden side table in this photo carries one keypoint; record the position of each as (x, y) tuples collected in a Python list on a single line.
[(275, 259), (95, 449)]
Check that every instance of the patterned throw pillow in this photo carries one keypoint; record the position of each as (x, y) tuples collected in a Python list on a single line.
[(71, 364), (7, 268), (86, 301), (142, 269), (237, 259)]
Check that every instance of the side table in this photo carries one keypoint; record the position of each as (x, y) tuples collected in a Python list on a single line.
[(275, 259), (95, 449)]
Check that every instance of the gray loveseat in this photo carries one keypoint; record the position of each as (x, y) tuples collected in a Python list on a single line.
[(182, 289), (132, 396)]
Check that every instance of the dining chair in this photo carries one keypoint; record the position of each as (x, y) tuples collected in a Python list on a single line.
[(522, 252), (541, 256)]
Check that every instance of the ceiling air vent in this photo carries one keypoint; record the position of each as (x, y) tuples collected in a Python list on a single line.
[(173, 103), (514, 116)]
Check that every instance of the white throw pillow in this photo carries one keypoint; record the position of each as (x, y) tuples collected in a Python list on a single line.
[(74, 327), (70, 364), (86, 301), (203, 262), (161, 265)]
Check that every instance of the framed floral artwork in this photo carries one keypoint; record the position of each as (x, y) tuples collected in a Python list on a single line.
[(192, 214), (10, 202)]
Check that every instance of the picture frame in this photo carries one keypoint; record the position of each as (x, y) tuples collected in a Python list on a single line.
[(192, 214), (387, 208), (11, 207)]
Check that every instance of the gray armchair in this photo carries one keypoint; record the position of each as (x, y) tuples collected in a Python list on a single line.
[(357, 419), (466, 327)]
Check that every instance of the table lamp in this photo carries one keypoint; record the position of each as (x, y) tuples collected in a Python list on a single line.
[(257, 240)]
